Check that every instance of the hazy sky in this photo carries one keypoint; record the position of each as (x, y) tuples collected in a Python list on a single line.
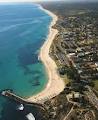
[(41, 0), (24, 0)]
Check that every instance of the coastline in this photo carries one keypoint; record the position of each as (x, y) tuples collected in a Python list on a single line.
[(55, 83)]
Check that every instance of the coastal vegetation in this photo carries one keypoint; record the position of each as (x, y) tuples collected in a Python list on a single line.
[(75, 52), (96, 84)]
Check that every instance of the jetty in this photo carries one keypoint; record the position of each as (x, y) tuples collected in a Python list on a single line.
[(12, 96)]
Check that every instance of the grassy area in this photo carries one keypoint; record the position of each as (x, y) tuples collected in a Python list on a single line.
[(96, 84), (65, 78)]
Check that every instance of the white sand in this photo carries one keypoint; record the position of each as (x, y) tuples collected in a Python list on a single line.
[(55, 84)]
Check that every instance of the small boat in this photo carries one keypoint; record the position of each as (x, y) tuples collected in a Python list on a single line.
[(20, 107), (38, 58), (30, 116)]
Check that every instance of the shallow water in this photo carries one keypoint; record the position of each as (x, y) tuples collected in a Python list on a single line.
[(23, 30)]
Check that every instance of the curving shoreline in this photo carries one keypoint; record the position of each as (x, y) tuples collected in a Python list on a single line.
[(55, 83)]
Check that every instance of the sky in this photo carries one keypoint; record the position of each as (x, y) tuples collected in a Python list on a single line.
[(24, 0), (41, 0)]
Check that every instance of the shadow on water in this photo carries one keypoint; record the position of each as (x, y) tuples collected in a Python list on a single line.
[(10, 112)]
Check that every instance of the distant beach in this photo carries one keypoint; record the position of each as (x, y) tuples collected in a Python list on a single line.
[(55, 83)]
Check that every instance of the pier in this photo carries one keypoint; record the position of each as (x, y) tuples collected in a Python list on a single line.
[(12, 96)]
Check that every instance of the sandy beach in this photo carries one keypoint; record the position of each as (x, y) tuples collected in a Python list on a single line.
[(55, 84)]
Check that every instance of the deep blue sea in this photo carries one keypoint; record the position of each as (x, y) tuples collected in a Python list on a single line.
[(23, 30)]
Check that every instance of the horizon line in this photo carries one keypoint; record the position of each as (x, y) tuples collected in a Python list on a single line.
[(40, 1)]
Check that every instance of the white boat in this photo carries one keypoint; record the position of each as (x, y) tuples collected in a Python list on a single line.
[(30, 116), (20, 107)]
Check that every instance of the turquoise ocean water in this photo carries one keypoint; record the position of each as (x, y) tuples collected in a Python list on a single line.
[(23, 30)]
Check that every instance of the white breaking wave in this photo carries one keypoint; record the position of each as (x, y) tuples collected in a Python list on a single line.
[(25, 32), (15, 20), (17, 25), (44, 17)]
